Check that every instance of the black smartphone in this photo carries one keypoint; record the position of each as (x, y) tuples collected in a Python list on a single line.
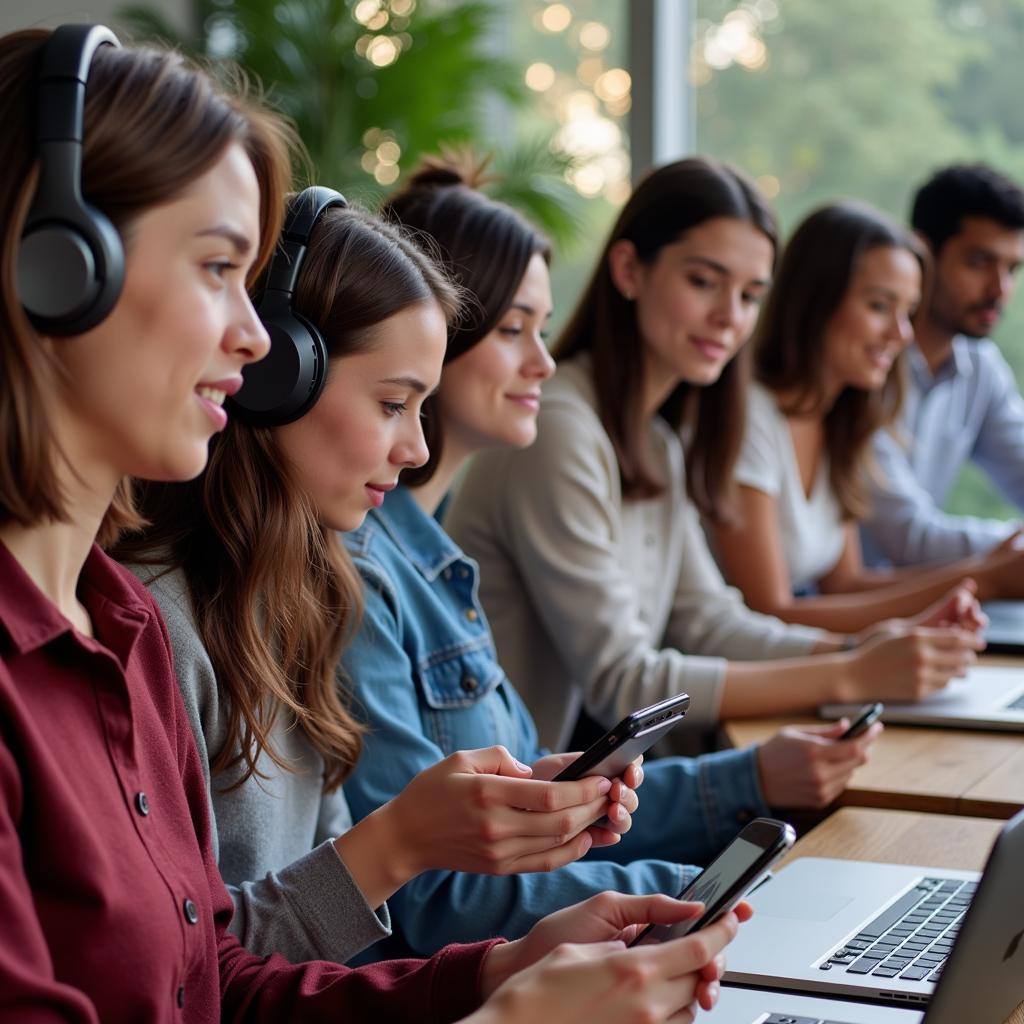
[(613, 753), (729, 877), (868, 714)]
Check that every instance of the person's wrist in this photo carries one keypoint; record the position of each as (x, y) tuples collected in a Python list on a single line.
[(374, 856), (844, 683), (501, 962), (983, 578), (406, 859), (762, 776)]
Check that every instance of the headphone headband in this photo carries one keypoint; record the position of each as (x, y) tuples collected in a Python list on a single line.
[(304, 210), (71, 259), (286, 383), (60, 84)]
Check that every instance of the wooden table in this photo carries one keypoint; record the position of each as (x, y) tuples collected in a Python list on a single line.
[(914, 768), (903, 837)]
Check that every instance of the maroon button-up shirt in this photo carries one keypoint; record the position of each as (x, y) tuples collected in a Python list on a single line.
[(111, 906)]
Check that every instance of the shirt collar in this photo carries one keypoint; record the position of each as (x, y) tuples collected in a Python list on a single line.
[(959, 364), (417, 535), (32, 620)]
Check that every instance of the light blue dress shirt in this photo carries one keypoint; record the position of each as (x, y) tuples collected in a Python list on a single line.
[(426, 677), (970, 409)]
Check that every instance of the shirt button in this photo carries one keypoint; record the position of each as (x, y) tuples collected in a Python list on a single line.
[(649, 540), (142, 803), (471, 615), (470, 684), (191, 914), (181, 996)]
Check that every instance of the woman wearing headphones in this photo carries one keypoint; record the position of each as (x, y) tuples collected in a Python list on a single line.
[(124, 322), (260, 595)]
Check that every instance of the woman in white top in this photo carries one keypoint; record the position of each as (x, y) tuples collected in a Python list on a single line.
[(596, 578), (828, 361)]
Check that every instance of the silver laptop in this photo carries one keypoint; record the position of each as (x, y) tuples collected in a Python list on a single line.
[(986, 698), (889, 933), (1005, 631), (761, 1006)]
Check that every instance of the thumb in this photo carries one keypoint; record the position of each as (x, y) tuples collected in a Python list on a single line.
[(497, 760), (653, 909), (828, 732)]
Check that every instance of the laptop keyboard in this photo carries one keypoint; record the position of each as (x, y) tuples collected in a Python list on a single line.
[(1016, 705), (910, 939)]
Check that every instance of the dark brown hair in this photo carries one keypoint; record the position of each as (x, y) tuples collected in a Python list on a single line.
[(154, 123), (484, 245), (275, 594), (814, 277), (960, 191), (666, 204)]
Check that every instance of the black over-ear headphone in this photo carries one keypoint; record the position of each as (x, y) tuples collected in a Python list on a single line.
[(71, 260), (286, 384)]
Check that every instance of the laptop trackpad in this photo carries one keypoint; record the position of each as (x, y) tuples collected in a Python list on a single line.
[(812, 903)]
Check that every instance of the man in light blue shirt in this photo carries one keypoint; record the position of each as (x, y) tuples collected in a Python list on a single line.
[(962, 400)]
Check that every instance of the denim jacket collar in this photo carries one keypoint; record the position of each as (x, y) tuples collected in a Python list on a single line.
[(418, 536)]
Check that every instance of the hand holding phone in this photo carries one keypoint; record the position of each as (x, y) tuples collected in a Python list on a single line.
[(869, 714), (729, 877), (614, 752)]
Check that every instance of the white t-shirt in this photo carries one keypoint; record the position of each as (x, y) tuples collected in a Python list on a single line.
[(810, 527)]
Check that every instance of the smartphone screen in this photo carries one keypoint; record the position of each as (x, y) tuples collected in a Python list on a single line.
[(729, 877)]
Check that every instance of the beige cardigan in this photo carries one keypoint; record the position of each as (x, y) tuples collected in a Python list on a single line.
[(593, 599)]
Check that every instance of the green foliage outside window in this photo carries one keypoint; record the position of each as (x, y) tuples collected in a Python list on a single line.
[(865, 98), (374, 84)]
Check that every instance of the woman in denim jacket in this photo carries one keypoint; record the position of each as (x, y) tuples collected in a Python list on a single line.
[(424, 665)]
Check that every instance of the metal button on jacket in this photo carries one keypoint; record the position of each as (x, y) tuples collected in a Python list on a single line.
[(142, 803), (470, 684), (191, 914)]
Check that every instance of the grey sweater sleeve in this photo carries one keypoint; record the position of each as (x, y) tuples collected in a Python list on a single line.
[(309, 907)]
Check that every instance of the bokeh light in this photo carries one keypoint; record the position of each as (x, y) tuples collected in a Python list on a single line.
[(540, 76), (614, 84), (556, 17), (594, 35)]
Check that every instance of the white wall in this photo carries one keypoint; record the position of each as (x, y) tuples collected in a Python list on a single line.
[(16, 14)]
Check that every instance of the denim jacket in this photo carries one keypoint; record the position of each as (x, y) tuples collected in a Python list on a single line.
[(426, 678)]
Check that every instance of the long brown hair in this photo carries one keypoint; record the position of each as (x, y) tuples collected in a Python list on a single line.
[(666, 204), (275, 594), (154, 123), (484, 245), (789, 345)]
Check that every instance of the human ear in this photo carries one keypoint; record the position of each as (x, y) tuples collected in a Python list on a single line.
[(624, 267)]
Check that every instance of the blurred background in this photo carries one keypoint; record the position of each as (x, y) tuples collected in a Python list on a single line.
[(816, 99)]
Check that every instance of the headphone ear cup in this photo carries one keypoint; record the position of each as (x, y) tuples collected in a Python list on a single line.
[(70, 271), (287, 382)]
